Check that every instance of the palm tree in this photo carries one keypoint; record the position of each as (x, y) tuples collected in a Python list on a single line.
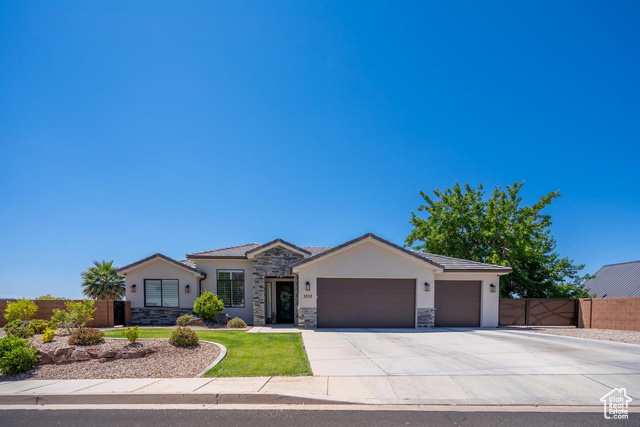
[(102, 282)]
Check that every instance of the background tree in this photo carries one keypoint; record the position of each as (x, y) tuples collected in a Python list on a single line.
[(102, 282), (499, 230)]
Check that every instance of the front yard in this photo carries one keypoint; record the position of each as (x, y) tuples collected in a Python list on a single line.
[(249, 355)]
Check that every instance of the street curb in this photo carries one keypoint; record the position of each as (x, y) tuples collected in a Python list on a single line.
[(179, 399)]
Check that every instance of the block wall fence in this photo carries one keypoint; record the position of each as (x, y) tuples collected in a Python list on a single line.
[(102, 318)]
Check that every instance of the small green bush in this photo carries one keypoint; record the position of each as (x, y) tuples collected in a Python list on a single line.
[(208, 305), (19, 328), (236, 322), (184, 319), (16, 355), (131, 334), (48, 335), (86, 336), (183, 337), (23, 309), (38, 326)]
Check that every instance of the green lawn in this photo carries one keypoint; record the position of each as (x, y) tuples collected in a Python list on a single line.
[(249, 355)]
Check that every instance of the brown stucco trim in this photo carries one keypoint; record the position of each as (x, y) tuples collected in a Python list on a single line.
[(164, 257), (366, 236), (282, 242)]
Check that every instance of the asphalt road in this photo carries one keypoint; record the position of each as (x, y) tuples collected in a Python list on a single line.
[(294, 418)]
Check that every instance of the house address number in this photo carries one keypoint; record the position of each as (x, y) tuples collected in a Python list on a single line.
[(307, 296)]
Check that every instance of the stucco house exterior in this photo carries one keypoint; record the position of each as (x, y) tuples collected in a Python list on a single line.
[(365, 282)]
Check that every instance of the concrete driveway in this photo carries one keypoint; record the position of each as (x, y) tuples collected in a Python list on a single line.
[(471, 366)]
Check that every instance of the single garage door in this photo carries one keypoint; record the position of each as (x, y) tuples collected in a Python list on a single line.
[(366, 303), (457, 303)]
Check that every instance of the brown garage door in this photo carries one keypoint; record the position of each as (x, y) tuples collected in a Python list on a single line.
[(457, 303), (366, 303)]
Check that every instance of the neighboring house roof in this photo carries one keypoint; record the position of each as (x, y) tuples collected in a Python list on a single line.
[(447, 264), (187, 265), (616, 281)]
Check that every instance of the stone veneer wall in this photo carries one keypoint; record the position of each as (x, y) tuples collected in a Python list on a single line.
[(426, 317), (157, 316), (307, 318), (274, 262)]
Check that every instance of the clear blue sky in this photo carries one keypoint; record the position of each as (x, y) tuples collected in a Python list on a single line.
[(130, 128)]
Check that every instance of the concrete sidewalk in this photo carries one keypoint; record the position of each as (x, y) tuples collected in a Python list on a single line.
[(400, 390)]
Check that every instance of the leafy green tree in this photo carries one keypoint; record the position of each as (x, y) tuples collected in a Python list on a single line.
[(102, 282), (500, 230), (48, 297), (76, 315)]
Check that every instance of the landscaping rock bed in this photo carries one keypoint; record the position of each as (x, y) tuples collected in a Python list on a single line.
[(115, 358), (630, 337)]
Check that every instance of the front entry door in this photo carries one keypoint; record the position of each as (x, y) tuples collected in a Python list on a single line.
[(284, 302)]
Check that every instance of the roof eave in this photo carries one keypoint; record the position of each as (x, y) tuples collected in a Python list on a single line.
[(137, 264)]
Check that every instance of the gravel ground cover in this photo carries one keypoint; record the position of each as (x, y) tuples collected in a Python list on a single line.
[(166, 362), (630, 337)]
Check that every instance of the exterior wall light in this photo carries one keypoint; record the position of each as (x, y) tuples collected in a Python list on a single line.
[(307, 286), (186, 289), (133, 287), (427, 287), (492, 287)]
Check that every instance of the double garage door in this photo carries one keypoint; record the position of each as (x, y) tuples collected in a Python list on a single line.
[(390, 303)]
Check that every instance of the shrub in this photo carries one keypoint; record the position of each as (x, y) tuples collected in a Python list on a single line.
[(48, 335), (86, 336), (23, 309), (16, 355), (184, 319), (38, 326), (76, 315), (131, 334), (236, 322), (19, 328), (183, 337), (208, 305)]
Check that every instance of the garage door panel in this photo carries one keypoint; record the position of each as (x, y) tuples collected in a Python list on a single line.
[(457, 303), (366, 303)]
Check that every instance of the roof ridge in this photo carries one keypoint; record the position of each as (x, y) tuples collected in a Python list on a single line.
[(621, 263), (222, 249)]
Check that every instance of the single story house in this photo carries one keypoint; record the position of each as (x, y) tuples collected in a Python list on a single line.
[(367, 282), (620, 280)]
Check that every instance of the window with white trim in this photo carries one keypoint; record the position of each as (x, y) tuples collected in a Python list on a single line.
[(161, 293), (231, 287)]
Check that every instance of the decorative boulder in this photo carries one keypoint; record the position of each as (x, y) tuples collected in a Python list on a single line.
[(196, 321), (222, 319), (78, 355)]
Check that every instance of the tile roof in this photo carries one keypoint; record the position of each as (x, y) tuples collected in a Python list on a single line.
[(441, 261), (240, 251), (455, 264), (616, 281)]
